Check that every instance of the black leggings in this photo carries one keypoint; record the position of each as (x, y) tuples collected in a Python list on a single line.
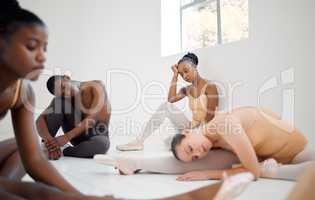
[(94, 141)]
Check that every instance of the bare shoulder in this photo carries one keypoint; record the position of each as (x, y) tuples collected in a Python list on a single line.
[(210, 88), (26, 95)]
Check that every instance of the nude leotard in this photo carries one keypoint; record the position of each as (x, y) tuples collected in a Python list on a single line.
[(199, 109)]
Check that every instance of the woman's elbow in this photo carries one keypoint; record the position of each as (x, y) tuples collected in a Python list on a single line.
[(32, 164), (39, 121), (171, 99)]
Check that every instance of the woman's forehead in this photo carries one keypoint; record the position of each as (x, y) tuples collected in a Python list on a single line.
[(184, 65), (32, 32)]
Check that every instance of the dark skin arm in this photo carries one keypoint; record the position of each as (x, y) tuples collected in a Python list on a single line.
[(54, 151), (38, 191), (99, 112), (210, 174), (33, 160), (173, 96)]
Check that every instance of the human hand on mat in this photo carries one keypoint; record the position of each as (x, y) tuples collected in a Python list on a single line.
[(54, 151), (62, 140), (54, 155), (194, 176)]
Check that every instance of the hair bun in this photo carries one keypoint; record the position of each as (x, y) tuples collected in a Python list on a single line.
[(192, 56), (9, 5)]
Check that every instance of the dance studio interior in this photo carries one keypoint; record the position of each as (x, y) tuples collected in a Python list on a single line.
[(256, 54)]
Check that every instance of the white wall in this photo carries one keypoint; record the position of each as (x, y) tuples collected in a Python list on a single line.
[(90, 37)]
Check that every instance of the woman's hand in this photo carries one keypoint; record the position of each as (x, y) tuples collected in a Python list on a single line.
[(54, 155), (51, 144), (62, 140), (194, 176), (54, 151), (175, 70)]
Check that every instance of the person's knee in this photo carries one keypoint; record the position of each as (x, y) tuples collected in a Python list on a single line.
[(100, 145), (9, 144)]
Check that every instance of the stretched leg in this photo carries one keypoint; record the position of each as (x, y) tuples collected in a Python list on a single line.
[(8, 196), (13, 167), (165, 162), (98, 144), (215, 160), (304, 188), (10, 163), (165, 110), (54, 118), (37, 191), (7, 148), (293, 170)]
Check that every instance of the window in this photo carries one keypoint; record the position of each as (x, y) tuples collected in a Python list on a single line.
[(193, 24)]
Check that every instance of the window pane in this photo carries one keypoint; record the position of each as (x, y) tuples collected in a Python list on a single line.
[(199, 25), (234, 20), (186, 2), (170, 27)]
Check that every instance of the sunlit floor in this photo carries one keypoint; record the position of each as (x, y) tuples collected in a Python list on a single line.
[(92, 178)]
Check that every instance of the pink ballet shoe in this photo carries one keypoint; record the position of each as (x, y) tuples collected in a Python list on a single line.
[(131, 146), (123, 167), (234, 185)]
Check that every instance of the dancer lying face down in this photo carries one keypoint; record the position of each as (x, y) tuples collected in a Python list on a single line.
[(82, 110), (253, 134)]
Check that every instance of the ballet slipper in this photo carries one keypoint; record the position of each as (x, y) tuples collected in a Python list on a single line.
[(234, 185), (135, 145), (124, 168), (268, 168)]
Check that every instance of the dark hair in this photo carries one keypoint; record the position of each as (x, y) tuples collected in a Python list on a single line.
[(189, 57), (13, 17), (51, 82), (177, 139)]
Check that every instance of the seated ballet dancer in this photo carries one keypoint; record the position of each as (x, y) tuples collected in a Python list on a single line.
[(202, 96), (23, 41), (253, 134), (82, 110)]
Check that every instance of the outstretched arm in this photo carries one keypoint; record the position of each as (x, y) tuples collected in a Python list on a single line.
[(234, 134), (210, 174), (33, 160)]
